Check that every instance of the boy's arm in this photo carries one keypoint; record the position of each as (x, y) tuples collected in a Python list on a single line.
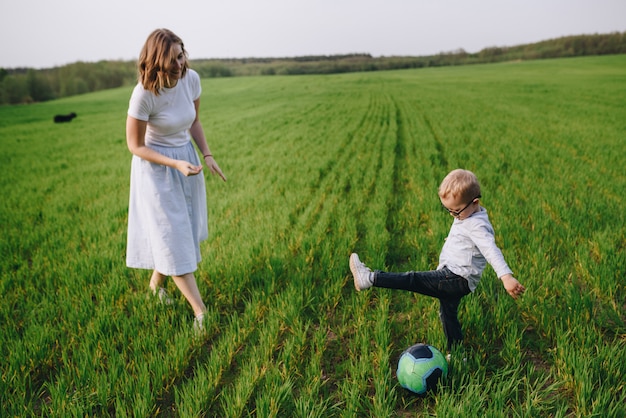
[(484, 239), (512, 286)]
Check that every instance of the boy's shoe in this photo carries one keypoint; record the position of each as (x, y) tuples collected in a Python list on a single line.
[(363, 276), (449, 358)]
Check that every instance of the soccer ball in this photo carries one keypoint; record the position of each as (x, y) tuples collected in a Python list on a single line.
[(420, 368)]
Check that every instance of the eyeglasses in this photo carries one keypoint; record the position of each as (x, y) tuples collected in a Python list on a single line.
[(457, 213)]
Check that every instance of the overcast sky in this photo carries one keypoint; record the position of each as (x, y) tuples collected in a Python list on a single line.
[(48, 33)]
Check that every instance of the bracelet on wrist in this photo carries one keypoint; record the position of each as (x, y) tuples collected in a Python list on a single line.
[(207, 155)]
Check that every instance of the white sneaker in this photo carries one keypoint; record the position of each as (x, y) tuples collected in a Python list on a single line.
[(198, 325), (163, 296), (363, 276), (449, 358)]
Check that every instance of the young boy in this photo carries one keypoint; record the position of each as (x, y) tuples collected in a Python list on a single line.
[(465, 253)]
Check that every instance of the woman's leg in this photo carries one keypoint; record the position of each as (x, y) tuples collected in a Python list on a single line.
[(156, 281), (189, 288)]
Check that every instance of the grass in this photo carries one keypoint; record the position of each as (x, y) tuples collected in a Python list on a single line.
[(318, 167)]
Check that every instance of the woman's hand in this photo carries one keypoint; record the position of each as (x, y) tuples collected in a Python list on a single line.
[(213, 167), (187, 168)]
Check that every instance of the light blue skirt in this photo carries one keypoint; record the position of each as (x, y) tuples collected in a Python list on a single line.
[(167, 214)]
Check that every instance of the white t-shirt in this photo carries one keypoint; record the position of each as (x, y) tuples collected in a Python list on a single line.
[(469, 246), (170, 114)]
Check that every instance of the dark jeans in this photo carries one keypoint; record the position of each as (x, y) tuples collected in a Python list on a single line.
[(441, 284)]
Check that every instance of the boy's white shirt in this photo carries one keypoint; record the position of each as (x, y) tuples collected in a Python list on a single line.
[(470, 246)]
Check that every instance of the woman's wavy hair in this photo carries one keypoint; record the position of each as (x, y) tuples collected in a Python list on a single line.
[(156, 58)]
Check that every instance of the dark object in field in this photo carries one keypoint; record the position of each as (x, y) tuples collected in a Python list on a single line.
[(64, 118)]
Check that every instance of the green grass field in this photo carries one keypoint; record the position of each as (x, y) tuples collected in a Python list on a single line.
[(318, 167)]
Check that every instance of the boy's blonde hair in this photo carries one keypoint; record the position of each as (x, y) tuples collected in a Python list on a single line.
[(156, 60), (460, 183)]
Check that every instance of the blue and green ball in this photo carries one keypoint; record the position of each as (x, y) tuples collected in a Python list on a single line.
[(420, 368)]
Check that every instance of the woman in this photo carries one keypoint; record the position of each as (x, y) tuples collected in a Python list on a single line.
[(167, 215)]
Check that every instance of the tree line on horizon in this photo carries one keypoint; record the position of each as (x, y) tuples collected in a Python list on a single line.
[(28, 85)]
